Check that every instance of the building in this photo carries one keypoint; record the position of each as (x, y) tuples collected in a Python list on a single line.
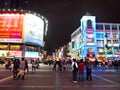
[(21, 33), (96, 40)]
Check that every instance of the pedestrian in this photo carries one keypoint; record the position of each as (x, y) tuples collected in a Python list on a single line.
[(26, 66), (88, 70), (34, 65), (74, 70), (15, 68), (81, 70), (54, 65), (21, 72), (8, 64)]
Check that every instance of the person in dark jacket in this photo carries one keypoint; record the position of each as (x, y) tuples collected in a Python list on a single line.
[(88, 70), (15, 68)]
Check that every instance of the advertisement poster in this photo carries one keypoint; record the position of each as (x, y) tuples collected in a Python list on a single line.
[(33, 30), (11, 26)]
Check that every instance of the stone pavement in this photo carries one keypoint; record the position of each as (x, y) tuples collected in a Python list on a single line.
[(47, 79)]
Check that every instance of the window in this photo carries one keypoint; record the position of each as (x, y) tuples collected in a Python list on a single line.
[(115, 35), (15, 47), (3, 46), (115, 42), (90, 35), (119, 27), (100, 50), (99, 35), (99, 26), (108, 41), (116, 49), (89, 24), (114, 27), (31, 48), (109, 50), (100, 42), (90, 41), (90, 50), (107, 27)]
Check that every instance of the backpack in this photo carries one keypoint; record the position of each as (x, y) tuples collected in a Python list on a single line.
[(75, 68)]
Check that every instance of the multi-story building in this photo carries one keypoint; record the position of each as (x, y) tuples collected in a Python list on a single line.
[(97, 40), (21, 33)]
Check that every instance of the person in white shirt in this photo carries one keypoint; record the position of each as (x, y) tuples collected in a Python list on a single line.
[(74, 70)]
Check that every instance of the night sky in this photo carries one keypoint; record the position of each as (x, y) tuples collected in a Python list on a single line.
[(64, 17)]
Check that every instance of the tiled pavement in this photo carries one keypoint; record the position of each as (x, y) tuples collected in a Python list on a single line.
[(47, 79)]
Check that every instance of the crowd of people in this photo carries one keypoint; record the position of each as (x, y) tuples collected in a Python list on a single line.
[(20, 67), (81, 69), (78, 69)]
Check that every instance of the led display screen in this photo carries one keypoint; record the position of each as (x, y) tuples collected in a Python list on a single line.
[(21, 28), (11, 25), (100, 35), (15, 53), (29, 54), (90, 35), (33, 30)]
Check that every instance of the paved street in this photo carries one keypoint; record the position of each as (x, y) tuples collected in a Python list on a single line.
[(47, 79)]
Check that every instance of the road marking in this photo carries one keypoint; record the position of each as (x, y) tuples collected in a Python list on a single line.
[(58, 84), (5, 79), (104, 79)]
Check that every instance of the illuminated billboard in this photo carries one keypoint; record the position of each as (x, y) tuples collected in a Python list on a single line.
[(20, 27), (33, 30), (11, 25)]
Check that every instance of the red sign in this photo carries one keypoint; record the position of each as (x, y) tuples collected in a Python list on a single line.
[(11, 26)]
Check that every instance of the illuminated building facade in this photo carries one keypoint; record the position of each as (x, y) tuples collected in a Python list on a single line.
[(21, 33), (96, 40)]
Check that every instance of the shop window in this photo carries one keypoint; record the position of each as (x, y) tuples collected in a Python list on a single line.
[(31, 48), (3, 47), (15, 47)]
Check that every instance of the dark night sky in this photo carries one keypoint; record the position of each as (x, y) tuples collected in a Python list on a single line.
[(64, 16)]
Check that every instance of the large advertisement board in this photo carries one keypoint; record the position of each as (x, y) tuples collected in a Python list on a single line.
[(33, 30), (11, 25), (21, 28)]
